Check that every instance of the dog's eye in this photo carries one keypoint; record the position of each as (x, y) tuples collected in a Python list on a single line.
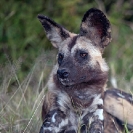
[(83, 55), (60, 58)]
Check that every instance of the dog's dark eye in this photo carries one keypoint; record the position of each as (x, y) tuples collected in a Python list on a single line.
[(83, 55), (60, 58)]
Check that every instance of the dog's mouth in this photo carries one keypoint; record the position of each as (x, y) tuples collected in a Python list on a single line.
[(66, 82), (69, 82)]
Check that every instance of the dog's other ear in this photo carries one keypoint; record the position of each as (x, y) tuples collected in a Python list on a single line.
[(55, 33), (96, 27)]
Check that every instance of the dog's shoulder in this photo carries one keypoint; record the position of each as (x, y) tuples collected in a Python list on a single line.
[(48, 102)]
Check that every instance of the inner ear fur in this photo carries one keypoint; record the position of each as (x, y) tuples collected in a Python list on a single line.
[(96, 27), (55, 32)]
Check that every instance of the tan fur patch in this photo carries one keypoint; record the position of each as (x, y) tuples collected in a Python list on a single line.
[(48, 103), (119, 107), (51, 84)]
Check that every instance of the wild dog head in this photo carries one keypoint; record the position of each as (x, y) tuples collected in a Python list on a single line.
[(80, 55)]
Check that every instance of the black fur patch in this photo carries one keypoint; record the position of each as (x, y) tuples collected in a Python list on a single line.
[(73, 42), (63, 33), (70, 131), (83, 129), (96, 19)]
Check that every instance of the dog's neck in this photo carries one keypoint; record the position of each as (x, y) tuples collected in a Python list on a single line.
[(82, 94)]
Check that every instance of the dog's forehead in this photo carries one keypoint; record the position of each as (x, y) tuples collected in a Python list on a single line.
[(71, 45)]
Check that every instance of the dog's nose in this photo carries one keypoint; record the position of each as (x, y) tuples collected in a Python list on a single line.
[(62, 73)]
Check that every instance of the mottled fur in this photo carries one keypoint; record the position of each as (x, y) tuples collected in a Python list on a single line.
[(120, 105), (77, 82)]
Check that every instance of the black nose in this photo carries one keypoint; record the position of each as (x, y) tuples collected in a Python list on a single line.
[(62, 73)]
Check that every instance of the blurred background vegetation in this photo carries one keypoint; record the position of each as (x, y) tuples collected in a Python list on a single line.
[(26, 56)]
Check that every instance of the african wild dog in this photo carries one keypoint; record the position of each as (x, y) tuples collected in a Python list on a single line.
[(74, 102)]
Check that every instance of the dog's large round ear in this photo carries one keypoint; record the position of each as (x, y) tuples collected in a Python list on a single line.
[(96, 27), (55, 32)]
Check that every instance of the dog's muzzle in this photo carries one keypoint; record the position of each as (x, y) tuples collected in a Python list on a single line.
[(62, 73), (63, 76)]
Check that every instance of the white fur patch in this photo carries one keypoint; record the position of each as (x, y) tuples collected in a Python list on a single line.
[(63, 123), (97, 100), (99, 113), (120, 95), (65, 103), (47, 128), (63, 100), (103, 65), (53, 117), (57, 129)]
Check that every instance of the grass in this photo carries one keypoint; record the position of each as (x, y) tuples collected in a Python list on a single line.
[(21, 101)]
